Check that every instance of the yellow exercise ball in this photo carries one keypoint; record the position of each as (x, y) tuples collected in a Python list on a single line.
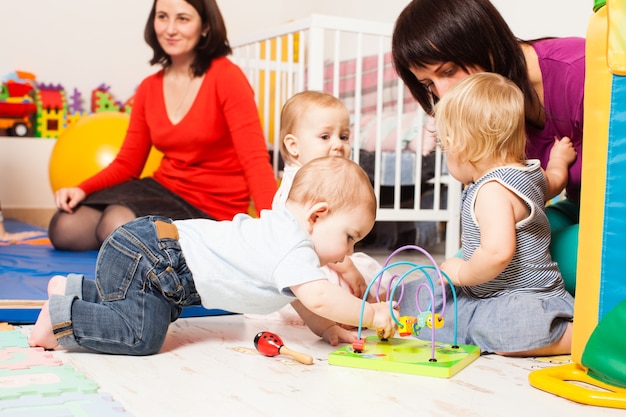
[(88, 146)]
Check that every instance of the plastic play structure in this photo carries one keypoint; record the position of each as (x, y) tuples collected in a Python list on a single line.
[(599, 342)]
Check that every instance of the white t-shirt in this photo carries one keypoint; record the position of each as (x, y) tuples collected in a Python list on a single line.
[(367, 266), (289, 172), (248, 264)]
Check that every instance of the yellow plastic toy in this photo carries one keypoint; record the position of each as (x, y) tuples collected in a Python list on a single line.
[(89, 146), (599, 346)]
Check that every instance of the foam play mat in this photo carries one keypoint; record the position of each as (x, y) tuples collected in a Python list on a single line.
[(35, 383), (27, 265)]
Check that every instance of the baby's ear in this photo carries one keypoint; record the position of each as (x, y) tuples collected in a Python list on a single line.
[(315, 213), (291, 144)]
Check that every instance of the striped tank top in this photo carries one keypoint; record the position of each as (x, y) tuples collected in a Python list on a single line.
[(532, 269)]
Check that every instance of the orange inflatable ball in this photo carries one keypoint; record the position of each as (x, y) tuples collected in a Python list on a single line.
[(89, 146)]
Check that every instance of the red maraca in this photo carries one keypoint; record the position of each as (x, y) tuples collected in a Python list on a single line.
[(270, 344)]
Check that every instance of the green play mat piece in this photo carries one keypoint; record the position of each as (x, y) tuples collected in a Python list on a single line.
[(604, 353), (43, 380), (13, 338)]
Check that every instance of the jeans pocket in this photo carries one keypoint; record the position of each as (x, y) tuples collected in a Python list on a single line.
[(169, 284), (115, 268)]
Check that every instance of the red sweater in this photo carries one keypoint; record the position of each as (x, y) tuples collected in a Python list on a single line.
[(215, 157)]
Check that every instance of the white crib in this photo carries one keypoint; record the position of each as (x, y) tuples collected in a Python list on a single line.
[(351, 59)]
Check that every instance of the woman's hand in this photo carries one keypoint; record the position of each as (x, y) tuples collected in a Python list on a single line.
[(67, 199)]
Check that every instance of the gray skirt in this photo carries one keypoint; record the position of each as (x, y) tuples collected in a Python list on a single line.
[(145, 197), (508, 323)]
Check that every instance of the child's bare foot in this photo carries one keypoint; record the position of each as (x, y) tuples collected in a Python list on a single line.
[(41, 335), (56, 285), (14, 237)]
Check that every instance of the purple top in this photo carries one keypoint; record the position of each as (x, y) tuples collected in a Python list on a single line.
[(562, 64)]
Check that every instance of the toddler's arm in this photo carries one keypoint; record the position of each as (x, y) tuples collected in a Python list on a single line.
[(562, 155), (328, 330), (496, 209), (334, 303)]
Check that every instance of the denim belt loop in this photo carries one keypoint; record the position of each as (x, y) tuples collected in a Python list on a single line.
[(166, 230)]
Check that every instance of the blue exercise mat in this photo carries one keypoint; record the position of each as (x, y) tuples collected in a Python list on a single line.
[(26, 267)]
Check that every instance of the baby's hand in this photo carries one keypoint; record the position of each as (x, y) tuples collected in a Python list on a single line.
[(382, 321), (563, 149), (356, 282), (336, 334), (349, 273)]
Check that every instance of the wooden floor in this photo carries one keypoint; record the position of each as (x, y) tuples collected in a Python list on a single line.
[(209, 367)]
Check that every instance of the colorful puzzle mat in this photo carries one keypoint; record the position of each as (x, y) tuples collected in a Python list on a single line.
[(407, 356), (27, 265), (35, 383)]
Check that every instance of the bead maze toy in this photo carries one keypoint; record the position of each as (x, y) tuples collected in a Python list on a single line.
[(404, 355)]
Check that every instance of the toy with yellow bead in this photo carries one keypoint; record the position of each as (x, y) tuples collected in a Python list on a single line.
[(407, 354)]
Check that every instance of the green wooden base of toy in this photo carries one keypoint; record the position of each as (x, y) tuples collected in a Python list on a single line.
[(407, 356)]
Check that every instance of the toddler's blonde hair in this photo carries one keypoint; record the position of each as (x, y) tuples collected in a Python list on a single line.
[(482, 116), (293, 110)]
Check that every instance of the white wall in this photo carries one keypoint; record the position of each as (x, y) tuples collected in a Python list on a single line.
[(539, 18), (81, 44)]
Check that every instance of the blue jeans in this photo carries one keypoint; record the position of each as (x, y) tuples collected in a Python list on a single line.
[(142, 283)]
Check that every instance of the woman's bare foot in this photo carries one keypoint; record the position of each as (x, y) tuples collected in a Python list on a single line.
[(42, 335), (56, 285)]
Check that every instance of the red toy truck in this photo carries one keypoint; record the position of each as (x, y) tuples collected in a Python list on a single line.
[(16, 107)]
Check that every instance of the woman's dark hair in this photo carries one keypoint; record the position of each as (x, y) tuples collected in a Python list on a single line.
[(213, 45), (468, 33)]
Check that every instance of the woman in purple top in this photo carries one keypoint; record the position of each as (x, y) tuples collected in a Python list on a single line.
[(438, 42)]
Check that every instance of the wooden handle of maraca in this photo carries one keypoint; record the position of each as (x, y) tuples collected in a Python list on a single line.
[(300, 357)]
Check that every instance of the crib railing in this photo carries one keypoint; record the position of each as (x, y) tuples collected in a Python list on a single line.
[(350, 58)]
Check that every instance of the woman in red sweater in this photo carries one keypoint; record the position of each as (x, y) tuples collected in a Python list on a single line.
[(199, 111)]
